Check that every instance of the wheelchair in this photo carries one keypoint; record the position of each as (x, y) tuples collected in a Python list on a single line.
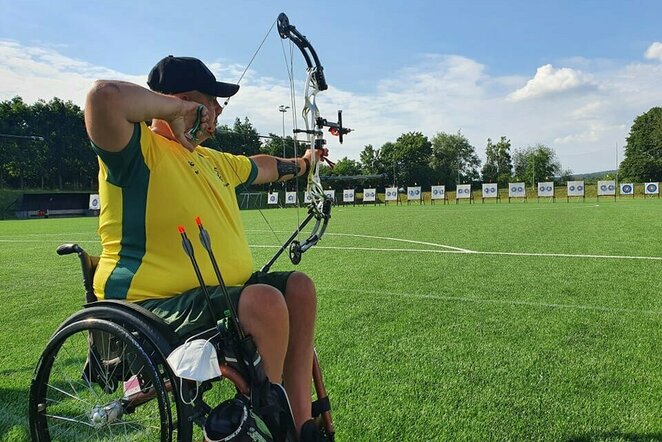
[(104, 375)]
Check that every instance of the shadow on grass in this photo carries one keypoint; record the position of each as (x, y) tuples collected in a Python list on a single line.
[(616, 436), (13, 414)]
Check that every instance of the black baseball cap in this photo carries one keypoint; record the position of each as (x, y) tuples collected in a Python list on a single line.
[(173, 75)]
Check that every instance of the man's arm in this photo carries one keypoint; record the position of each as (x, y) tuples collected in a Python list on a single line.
[(113, 107), (271, 169)]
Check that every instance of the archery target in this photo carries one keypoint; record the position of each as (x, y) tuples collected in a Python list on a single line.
[(651, 189), (516, 190), (438, 192), (95, 202), (391, 194), (490, 190), (627, 189), (272, 198), (575, 188), (330, 194), (306, 197), (606, 188), (369, 194), (413, 193), (463, 191), (290, 197), (348, 196), (546, 189)]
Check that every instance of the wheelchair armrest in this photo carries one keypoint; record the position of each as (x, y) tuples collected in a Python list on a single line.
[(68, 249), (88, 266)]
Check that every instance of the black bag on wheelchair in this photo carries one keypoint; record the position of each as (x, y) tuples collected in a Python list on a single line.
[(111, 366), (233, 420)]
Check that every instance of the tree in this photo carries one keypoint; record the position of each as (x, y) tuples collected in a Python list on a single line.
[(453, 158), (407, 160), (498, 164), (643, 151), (242, 139), (371, 161), (535, 164), (346, 167), (62, 158), (282, 147)]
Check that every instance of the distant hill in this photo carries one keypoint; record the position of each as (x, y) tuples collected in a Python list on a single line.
[(592, 175)]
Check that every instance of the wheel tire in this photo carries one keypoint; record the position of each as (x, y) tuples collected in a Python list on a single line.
[(159, 346), (72, 400)]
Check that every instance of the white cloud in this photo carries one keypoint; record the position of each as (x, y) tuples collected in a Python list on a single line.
[(35, 73), (549, 80), (654, 51), (441, 93)]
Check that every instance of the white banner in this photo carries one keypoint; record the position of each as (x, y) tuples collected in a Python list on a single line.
[(463, 191), (95, 203), (369, 194), (438, 192), (490, 190), (290, 197), (330, 194), (414, 193), (651, 189), (516, 190), (391, 194), (348, 196), (627, 188), (546, 189), (607, 188), (272, 198), (575, 188)]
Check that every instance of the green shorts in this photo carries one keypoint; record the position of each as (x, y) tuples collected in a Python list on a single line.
[(188, 313)]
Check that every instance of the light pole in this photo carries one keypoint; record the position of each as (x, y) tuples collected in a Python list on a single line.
[(282, 109)]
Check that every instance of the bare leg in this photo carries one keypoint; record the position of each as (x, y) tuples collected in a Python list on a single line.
[(301, 305), (263, 315)]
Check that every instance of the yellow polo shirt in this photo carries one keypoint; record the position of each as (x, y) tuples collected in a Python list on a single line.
[(146, 191)]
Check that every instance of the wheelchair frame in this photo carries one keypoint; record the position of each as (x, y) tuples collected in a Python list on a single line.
[(149, 340)]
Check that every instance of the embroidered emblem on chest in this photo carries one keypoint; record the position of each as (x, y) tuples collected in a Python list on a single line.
[(194, 167)]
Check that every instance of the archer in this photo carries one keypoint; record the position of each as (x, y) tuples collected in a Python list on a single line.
[(152, 179)]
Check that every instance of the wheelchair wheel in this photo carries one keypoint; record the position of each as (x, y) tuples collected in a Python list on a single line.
[(105, 389)]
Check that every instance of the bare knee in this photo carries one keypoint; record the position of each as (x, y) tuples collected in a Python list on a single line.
[(300, 293), (262, 304)]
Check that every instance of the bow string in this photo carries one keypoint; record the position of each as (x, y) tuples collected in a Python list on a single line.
[(318, 204)]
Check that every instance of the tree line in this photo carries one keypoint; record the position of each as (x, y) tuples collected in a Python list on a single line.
[(44, 145)]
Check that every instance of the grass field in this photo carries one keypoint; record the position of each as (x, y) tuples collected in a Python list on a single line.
[(484, 322)]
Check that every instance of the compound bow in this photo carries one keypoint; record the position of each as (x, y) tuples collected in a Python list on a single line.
[(319, 205)]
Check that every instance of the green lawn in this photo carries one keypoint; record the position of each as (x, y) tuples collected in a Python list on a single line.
[(500, 322)]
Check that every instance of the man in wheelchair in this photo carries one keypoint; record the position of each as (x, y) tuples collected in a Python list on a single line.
[(153, 179)]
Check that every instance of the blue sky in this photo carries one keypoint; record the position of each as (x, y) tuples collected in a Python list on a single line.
[(569, 74)]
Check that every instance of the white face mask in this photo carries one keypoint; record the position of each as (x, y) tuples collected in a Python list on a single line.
[(195, 360)]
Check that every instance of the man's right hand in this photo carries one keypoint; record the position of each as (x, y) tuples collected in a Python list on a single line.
[(185, 119)]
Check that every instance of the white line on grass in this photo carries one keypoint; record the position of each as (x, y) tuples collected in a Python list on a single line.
[(447, 249), (96, 241), (493, 301), (474, 252)]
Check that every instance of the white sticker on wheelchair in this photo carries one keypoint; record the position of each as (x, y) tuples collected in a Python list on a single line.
[(195, 360), (132, 386)]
